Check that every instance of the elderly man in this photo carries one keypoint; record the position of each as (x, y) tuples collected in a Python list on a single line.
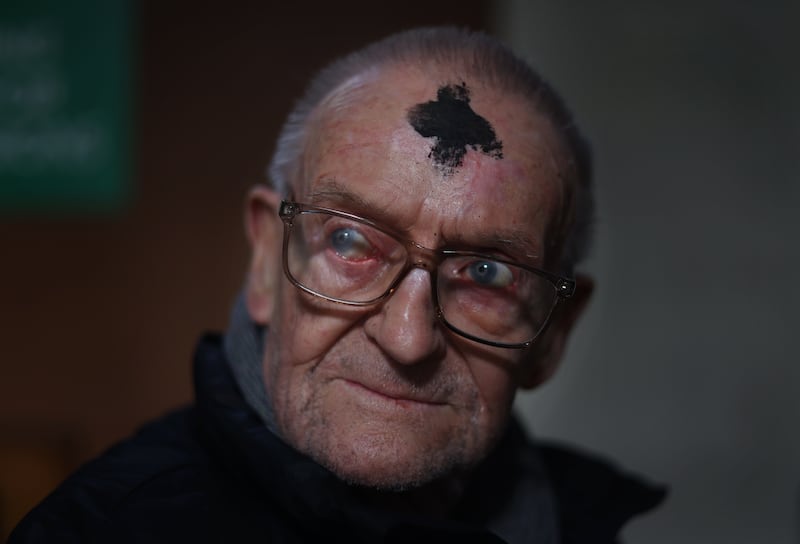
[(412, 267)]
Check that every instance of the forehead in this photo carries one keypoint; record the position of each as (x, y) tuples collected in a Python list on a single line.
[(442, 154)]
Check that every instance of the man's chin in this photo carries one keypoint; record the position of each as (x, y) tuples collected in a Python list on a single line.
[(374, 442)]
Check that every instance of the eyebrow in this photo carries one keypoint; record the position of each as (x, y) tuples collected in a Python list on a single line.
[(332, 194), (516, 244)]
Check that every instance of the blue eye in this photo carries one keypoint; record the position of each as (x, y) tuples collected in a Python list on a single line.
[(490, 273), (350, 244)]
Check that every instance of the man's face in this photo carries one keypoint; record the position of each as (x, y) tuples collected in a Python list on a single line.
[(385, 396)]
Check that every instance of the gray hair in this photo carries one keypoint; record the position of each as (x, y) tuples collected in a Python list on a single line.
[(477, 55)]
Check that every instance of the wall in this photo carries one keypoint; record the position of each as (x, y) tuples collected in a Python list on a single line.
[(685, 367)]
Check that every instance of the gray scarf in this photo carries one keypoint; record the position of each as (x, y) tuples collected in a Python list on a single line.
[(244, 348)]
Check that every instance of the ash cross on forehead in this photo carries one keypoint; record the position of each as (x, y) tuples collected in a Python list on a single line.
[(455, 126)]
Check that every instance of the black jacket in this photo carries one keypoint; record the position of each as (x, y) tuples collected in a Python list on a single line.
[(213, 473)]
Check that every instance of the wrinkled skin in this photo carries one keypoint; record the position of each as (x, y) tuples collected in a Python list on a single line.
[(385, 396)]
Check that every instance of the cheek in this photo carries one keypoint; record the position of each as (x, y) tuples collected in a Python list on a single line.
[(496, 387), (303, 330)]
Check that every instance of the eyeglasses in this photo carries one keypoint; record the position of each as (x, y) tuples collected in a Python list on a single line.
[(347, 259)]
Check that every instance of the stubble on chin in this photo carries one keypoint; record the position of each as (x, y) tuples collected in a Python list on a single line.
[(365, 450)]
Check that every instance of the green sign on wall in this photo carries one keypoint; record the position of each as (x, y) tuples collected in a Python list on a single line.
[(65, 105)]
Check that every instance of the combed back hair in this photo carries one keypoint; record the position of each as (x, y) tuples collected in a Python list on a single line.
[(472, 54)]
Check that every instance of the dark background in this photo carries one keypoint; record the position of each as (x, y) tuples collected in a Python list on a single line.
[(99, 314), (686, 366)]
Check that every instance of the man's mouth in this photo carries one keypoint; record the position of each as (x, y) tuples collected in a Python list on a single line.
[(402, 398)]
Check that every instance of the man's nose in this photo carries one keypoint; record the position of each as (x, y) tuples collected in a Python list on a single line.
[(405, 326)]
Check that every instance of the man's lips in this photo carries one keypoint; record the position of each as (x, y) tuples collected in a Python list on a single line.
[(402, 398)]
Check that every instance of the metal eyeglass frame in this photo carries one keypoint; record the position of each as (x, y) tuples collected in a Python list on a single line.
[(418, 257)]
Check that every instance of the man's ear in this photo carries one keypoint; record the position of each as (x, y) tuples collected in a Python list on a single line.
[(544, 356), (263, 228)]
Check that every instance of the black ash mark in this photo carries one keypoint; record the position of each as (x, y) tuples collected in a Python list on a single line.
[(455, 126)]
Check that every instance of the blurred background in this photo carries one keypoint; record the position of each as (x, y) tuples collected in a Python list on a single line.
[(130, 132)]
